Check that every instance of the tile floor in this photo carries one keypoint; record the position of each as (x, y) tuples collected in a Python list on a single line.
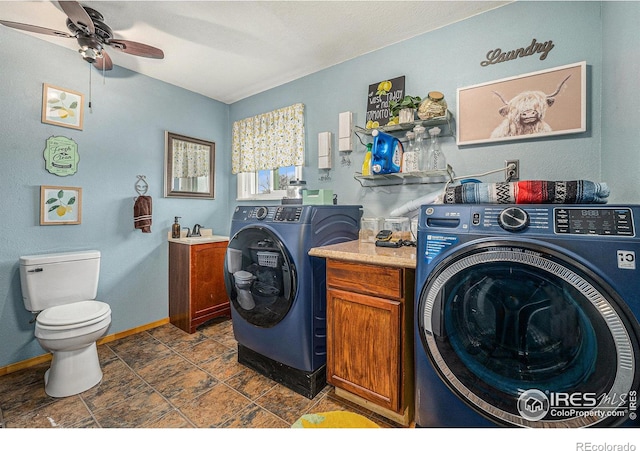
[(167, 378)]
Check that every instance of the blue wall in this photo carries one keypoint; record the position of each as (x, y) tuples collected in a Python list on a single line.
[(124, 137), (620, 154), (444, 60)]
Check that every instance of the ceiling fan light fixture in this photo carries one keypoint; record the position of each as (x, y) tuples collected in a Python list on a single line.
[(89, 54)]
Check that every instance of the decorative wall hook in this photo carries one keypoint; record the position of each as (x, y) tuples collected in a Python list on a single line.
[(141, 185)]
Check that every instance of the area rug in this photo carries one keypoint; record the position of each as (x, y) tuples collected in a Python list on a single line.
[(334, 419)]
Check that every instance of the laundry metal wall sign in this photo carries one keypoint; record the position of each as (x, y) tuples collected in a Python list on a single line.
[(496, 56), (61, 156)]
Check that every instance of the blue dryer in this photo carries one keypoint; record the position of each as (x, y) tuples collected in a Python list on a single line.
[(527, 316), (277, 291)]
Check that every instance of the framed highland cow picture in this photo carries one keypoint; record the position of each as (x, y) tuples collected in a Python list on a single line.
[(538, 104)]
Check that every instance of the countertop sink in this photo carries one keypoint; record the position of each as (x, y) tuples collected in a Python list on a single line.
[(199, 239)]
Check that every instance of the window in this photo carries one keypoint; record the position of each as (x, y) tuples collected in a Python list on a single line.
[(267, 151), (267, 183)]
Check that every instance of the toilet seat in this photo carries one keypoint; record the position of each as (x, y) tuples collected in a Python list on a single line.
[(76, 314), (243, 276)]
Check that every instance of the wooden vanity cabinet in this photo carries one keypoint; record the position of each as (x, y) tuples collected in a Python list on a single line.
[(196, 284), (370, 336)]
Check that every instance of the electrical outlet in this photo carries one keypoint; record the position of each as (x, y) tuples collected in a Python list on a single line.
[(512, 173)]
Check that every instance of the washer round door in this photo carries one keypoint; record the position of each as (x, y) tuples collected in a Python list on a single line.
[(528, 337), (260, 276)]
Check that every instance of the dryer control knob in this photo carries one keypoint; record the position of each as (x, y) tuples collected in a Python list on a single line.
[(513, 219), (261, 213)]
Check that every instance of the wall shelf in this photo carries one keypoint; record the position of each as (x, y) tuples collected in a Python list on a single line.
[(407, 126), (400, 178)]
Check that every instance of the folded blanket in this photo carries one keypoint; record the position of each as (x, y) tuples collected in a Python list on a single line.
[(528, 192), (142, 214)]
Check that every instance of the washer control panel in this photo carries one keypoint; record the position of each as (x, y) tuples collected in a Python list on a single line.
[(281, 214), (287, 214), (594, 221), (559, 220)]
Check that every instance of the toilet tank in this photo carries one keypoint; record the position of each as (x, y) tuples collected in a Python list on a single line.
[(54, 279)]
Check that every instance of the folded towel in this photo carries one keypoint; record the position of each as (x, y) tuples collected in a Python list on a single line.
[(142, 214), (528, 192)]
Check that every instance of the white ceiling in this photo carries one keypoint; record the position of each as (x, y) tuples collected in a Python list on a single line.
[(229, 50)]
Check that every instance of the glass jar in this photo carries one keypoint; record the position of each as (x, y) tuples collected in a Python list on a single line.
[(295, 188), (369, 228), (422, 147), (433, 106), (410, 160), (400, 228), (437, 161)]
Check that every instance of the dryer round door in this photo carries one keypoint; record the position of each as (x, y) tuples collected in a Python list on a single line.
[(528, 337), (260, 276)]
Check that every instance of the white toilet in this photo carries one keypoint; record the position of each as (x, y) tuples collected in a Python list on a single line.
[(61, 288), (243, 281)]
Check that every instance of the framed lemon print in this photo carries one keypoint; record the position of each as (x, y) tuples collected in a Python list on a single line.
[(60, 205), (61, 106)]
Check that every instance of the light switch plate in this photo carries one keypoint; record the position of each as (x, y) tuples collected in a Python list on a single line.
[(345, 140), (345, 122), (324, 150)]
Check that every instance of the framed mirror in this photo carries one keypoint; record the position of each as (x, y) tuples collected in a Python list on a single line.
[(189, 167)]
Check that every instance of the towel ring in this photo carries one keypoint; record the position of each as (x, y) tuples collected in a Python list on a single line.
[(141, 185)]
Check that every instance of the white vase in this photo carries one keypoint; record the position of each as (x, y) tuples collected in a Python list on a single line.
[(406, 115)]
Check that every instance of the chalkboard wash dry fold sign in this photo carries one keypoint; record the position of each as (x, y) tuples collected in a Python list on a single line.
[(378, 98), (498, 56)]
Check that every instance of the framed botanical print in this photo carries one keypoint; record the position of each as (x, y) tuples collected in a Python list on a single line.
[(61, 106), (60, 205)]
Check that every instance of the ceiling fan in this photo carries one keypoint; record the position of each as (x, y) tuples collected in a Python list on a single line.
[(93, 35)]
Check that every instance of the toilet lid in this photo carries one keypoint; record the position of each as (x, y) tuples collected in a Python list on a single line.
[(74, 313)]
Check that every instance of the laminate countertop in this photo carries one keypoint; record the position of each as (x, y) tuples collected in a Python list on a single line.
[(361, 252)]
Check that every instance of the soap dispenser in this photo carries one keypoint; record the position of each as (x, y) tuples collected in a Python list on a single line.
[(175, 229)]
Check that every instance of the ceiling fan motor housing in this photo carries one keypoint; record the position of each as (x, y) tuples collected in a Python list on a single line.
[(103, 31), (91, 44)]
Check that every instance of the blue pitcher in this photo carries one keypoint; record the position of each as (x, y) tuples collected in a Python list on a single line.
[(386, 155)]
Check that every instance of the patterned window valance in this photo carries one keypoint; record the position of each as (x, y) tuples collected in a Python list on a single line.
[(269, 141)]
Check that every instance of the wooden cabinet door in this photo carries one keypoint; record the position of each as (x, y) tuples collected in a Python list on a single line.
[(363, 346), (208, 292), (179, 310)]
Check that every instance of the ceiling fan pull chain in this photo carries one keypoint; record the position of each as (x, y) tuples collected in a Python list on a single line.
[(90, 110)]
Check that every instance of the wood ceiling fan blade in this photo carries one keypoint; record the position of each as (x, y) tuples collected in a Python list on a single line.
[(104, 63), (35, 29), (136, 48), (78, 16)]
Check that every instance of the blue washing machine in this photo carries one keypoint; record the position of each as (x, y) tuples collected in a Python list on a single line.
[(277, 291), (527, 316)]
